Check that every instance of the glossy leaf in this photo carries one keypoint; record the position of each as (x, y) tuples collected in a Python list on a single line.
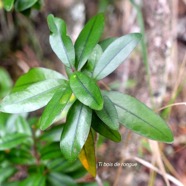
[(8, 4), (35, 179), (139, 118), (106, 42), (58, 179), (115, 54), (6, 172), (55, 106), (21, 156), (61, 43), (76, 130), (50, 151), (109, 114), (22, 126), (59, 165), (21, 5), (87, 155), (30, 98), (104, 130), (87, 39), (36, 75), (52, 135), (5, 83), (12, 140), (86, 90), (92, 60)]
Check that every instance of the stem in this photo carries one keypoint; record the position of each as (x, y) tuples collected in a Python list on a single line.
[(35, 153), (99, 181)]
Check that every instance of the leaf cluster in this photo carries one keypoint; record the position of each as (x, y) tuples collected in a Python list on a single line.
[(88, 109), (22, 144), (23, 6)]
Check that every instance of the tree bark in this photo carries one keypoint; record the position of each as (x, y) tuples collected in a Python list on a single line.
[(158, 17)]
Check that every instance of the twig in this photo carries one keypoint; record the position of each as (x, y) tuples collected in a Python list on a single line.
[(150, 166), (99, 181), (126, 140)]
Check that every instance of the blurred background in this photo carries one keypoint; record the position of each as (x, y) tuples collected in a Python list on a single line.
[(154, 73)]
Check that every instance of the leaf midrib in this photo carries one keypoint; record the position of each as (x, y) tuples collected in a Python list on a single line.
[(22, 101), (112, 58), (140, 119), (76, 129), (53, 108), (64, 48), (85, 43), (13, 139), (85, 88)]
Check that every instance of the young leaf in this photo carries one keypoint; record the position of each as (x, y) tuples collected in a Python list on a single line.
[(86, 90), (51, 151), (35, 179), (52, 135), (8, 4), (5, 83), (109, 114), (21, 5), (22, 126), (104, 130), (55, 107), (20, 156), (30, 98), (36, 75), (12, 140), (93, 59), (87, 155), (61, 43), (115, 54), (76, 130), (88, 39), (139, 118), (106, 42), (58, 164), (6, 172), (58, 179)]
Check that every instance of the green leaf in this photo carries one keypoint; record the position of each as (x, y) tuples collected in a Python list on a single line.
[(5, 83), (92, 60), (3, 120), (58, 179), (76, 130), (87, 155), (61, 43), (58, 164), (139, 118), (12, 140), (52, 135), (8, 4), (23, 126), (50, 151), (115, 54), (21, 156), (88, 39), (86, 90), (32, 97), (21, 5), (55, 106), (36, 75), (109, 114), (106, 42), (6, 172), (104, 130), (12, 183), (35, 179)]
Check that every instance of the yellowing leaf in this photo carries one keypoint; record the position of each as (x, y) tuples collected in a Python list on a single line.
[(87, 155)]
